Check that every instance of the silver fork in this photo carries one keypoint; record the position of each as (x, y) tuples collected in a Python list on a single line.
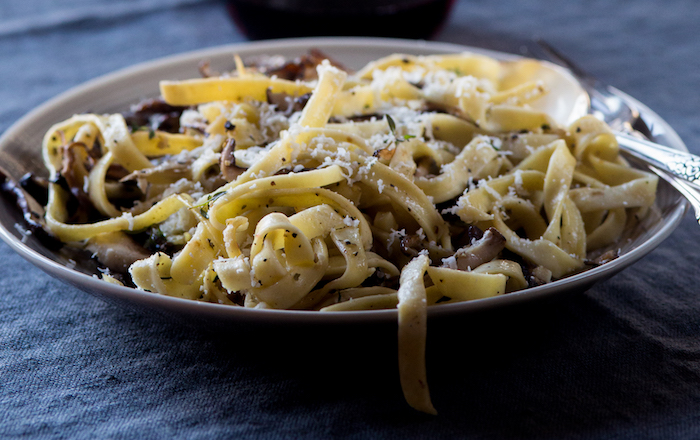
[(680, 169)]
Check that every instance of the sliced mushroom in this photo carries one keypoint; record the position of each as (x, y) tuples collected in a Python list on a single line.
[(285, 103), (319, 56), (463, 235), (227, 163), (301, 68), (75, 164), (72, 177), (116, 250), (155, 114), (33, 211), (411, 245), (165, 173), (35, 186), (483, 250), (385, 154)]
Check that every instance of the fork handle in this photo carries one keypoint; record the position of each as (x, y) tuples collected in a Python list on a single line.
[(690, 192), (683, 165)]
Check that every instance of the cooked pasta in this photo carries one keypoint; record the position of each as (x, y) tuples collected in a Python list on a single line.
[(418, 180)]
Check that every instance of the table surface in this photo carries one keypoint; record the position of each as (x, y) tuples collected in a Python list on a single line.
[(619, 361)]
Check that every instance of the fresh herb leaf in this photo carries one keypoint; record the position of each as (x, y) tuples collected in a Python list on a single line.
[(392, 127), (392, 124), (210, 198), (204, 206)]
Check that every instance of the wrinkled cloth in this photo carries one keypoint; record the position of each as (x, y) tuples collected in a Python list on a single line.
[(621, 360)]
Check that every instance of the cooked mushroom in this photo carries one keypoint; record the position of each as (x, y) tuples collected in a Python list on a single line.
[(462, 235), (155, 114), (227, 163), (116, 250), (301, 68), (481, 251), (35, 186), (75, 163), (72, 177), (385, 154), (33, 211), (166, 173), (411, 245), (286, 103)]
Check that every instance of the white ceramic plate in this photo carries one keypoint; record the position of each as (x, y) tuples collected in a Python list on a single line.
[(20, 153)]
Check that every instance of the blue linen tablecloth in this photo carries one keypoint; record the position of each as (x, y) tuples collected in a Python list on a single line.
[(619, 361)]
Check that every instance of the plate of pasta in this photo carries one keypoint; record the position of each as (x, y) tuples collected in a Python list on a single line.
[(330, 181)]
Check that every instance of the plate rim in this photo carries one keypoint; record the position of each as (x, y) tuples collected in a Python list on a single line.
[(104, 290)]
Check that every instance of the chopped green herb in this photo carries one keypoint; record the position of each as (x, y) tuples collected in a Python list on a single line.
[(208, 202), (392, 127), (392, 124)]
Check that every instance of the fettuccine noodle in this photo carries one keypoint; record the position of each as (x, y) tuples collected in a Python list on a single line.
[(417, 180)]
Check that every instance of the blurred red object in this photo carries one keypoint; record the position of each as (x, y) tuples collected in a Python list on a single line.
[(263, 19)]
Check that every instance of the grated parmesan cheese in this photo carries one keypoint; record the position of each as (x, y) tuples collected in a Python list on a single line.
[(380, 185), (450, 262), (351, 222), (394, 235), (130, 218)]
